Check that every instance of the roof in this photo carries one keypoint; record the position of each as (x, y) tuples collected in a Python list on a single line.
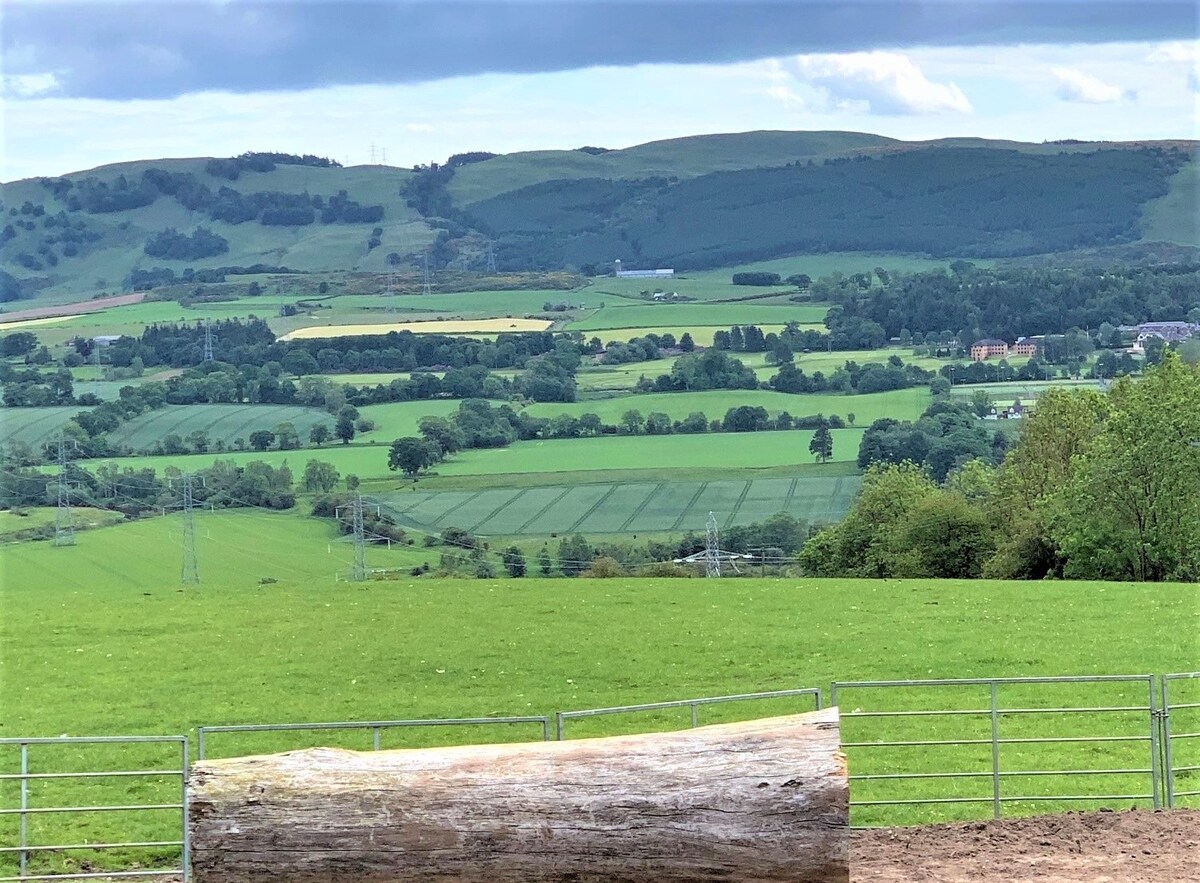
[(990, 341)]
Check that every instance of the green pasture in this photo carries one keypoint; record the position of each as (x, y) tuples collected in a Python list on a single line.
[(363, 460), (1026, 390), (396, 419), (715, 451), (101, 638), (467, 303), (901, 404), (618, 314), (221, 422), (828, 263), (34, 426), (622, 507)]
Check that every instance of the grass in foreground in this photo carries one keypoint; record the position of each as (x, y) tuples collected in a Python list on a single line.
[(99, 639)]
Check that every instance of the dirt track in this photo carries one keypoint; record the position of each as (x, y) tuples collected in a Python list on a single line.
[(1102, 847)]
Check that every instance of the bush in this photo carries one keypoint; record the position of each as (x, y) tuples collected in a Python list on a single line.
[(604, 567)]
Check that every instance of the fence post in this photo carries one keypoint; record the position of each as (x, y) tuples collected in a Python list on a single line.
[(183, 799), (374, 738), (995, 691), (1155, 724), (558, 725), (24, 856), (199, 743), (1168, 760), (693, 707)]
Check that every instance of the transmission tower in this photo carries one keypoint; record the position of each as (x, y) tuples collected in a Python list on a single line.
[(208, 341), (191, 567), (428, 288), (491, 258), (358, 571), (391, 293), (64, 526), (712, 548)]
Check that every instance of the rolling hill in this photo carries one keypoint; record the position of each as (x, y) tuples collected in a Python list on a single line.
[(696, 202)]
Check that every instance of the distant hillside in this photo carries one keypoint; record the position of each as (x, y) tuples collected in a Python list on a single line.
[(690, 202)]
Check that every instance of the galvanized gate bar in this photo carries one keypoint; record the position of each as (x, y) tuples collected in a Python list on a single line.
[(994, 713), (1169, 738), (561, 716), (374, 726), (24, 849)]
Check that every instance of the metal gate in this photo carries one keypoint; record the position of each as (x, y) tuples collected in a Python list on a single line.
[(64, 790), (1025, 743), (376, 728), (560, 718), (1180, 714)]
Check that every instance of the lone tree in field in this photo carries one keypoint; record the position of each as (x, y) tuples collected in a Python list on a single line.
[(344, 429), (822, 444), (319, 434), (412, 454)]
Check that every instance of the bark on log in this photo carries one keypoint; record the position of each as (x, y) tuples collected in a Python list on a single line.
[(765, 800)]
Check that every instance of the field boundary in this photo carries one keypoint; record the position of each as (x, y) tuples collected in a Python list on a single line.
[(1151, 716)]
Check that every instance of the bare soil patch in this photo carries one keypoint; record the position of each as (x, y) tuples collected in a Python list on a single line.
[(75, 309), (1095, 847)]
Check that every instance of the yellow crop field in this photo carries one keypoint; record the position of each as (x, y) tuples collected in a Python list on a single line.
[(28, 323), (452, 326)]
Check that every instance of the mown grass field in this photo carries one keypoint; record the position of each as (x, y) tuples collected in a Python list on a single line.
[(225, 422), (719, 452), (622, 507), (100, 638), (902, 404), (715, 451)]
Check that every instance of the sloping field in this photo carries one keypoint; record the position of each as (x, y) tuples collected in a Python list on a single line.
[(227, 422), (622, 507), (717, 451), (451, 326), (618, 314), (902, 404), (34, 426)]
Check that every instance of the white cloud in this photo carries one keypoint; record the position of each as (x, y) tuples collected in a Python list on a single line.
[(1075, 85), (886, 82), (27, 85)]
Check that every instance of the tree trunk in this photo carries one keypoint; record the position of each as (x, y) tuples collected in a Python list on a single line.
[(760, 800)]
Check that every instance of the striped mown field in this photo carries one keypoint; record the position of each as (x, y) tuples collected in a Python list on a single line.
[(622, 507), (34, 426), (227, 422)]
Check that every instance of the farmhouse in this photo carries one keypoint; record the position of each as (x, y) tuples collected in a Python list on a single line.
[(988, 347), (1168, 332), (641, 274)]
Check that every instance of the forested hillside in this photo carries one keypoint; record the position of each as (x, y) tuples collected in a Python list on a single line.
[(699, 202)]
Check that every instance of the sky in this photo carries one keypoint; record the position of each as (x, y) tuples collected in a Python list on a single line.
[(88, 83)]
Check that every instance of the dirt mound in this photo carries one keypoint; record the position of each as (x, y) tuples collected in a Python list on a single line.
[(1095, 847)]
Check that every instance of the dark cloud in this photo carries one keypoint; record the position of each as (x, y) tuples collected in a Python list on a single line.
[(162, 49)]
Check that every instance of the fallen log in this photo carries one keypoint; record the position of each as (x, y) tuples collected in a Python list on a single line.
[(764, 800)]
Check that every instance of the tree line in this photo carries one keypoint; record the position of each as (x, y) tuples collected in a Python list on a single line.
[(1098, 486)]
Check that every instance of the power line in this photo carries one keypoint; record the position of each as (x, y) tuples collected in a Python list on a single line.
[(491, 258)]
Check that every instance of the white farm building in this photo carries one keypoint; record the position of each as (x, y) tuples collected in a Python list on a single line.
[(642, 274)]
